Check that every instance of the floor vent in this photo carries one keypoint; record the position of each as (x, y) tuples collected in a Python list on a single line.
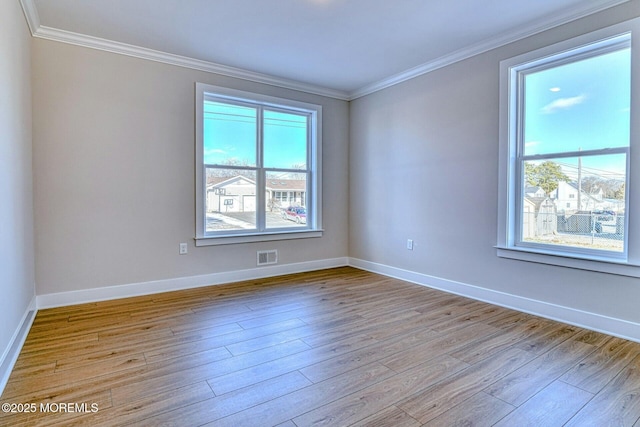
[(267, 257)]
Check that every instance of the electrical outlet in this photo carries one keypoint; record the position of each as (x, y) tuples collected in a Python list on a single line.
[(183, 248), (410, 244)]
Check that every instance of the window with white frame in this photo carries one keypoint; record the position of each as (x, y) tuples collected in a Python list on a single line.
[(252, 152), (566, 114)]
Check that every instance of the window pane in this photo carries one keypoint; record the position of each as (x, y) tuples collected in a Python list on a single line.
[(286, 198), (230, 200), (580, 105), (577, 202), (285, 140), (229, 134)]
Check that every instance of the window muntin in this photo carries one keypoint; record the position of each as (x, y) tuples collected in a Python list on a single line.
[(569, 114), (256, 157)]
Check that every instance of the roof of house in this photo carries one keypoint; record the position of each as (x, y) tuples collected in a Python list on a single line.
[(279, 184), (537, 201), (574, 185), (532, 189), (287, 184)]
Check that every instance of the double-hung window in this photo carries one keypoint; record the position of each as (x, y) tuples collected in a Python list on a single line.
[(566, 154), (257, 167)]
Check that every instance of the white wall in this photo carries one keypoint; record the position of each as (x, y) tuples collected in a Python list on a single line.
[(424, 166), (114, 173), (16, 206)]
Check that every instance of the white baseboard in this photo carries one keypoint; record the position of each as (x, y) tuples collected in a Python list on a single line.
[(12, 351), (62, 299), (595, 322)]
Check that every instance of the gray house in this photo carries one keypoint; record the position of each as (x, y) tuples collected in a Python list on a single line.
[(238, 193)]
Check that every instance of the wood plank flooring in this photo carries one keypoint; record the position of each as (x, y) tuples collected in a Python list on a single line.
[(336, 347)]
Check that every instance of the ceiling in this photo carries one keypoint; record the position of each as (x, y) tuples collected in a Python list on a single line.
[(339, 48)]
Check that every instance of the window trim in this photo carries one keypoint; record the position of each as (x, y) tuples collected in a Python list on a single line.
[(508, 162), (314, 171)]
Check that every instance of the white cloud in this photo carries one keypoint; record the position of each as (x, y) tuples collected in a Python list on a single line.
[(214, 151), (563, 103), (531, 144)]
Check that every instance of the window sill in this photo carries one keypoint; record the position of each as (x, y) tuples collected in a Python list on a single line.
[(252, 238), (619, 267)]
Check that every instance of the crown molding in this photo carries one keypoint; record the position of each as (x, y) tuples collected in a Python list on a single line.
[(83, 40), (38, 30), (485, 46), (31, 14)]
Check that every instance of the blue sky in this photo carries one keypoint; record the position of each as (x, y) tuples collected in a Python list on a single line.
[(230, 135), (584, 104)]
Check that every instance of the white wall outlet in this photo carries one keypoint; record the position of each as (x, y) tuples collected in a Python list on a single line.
[(410, 244), (183, 249)]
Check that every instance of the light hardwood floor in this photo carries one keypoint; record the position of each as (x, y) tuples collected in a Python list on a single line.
[(334, 347)]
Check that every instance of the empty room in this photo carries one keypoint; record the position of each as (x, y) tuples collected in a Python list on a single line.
[(320, 212)]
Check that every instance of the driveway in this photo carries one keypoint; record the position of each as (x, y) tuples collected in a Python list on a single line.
[(245, 220)]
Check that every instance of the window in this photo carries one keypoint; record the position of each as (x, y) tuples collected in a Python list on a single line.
[(256, 156), (565, 128)]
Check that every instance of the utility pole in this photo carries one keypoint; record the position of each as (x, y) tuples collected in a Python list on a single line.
[(580, 181)]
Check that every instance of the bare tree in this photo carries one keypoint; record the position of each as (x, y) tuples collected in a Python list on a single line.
[(224, 172)]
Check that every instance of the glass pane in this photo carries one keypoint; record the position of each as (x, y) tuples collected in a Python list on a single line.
[(286, 198), (581, 105), (577, 202), (229, 134), (230, 200), (285, 140)]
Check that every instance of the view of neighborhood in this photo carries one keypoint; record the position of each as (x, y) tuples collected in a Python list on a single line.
[(574, 123), (255, 154), (231, 200), (558, 210)]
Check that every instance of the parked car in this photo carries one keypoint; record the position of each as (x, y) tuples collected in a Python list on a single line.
[(604, 221), (295, 213)]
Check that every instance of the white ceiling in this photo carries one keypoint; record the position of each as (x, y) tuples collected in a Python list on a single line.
[(341, 48)]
